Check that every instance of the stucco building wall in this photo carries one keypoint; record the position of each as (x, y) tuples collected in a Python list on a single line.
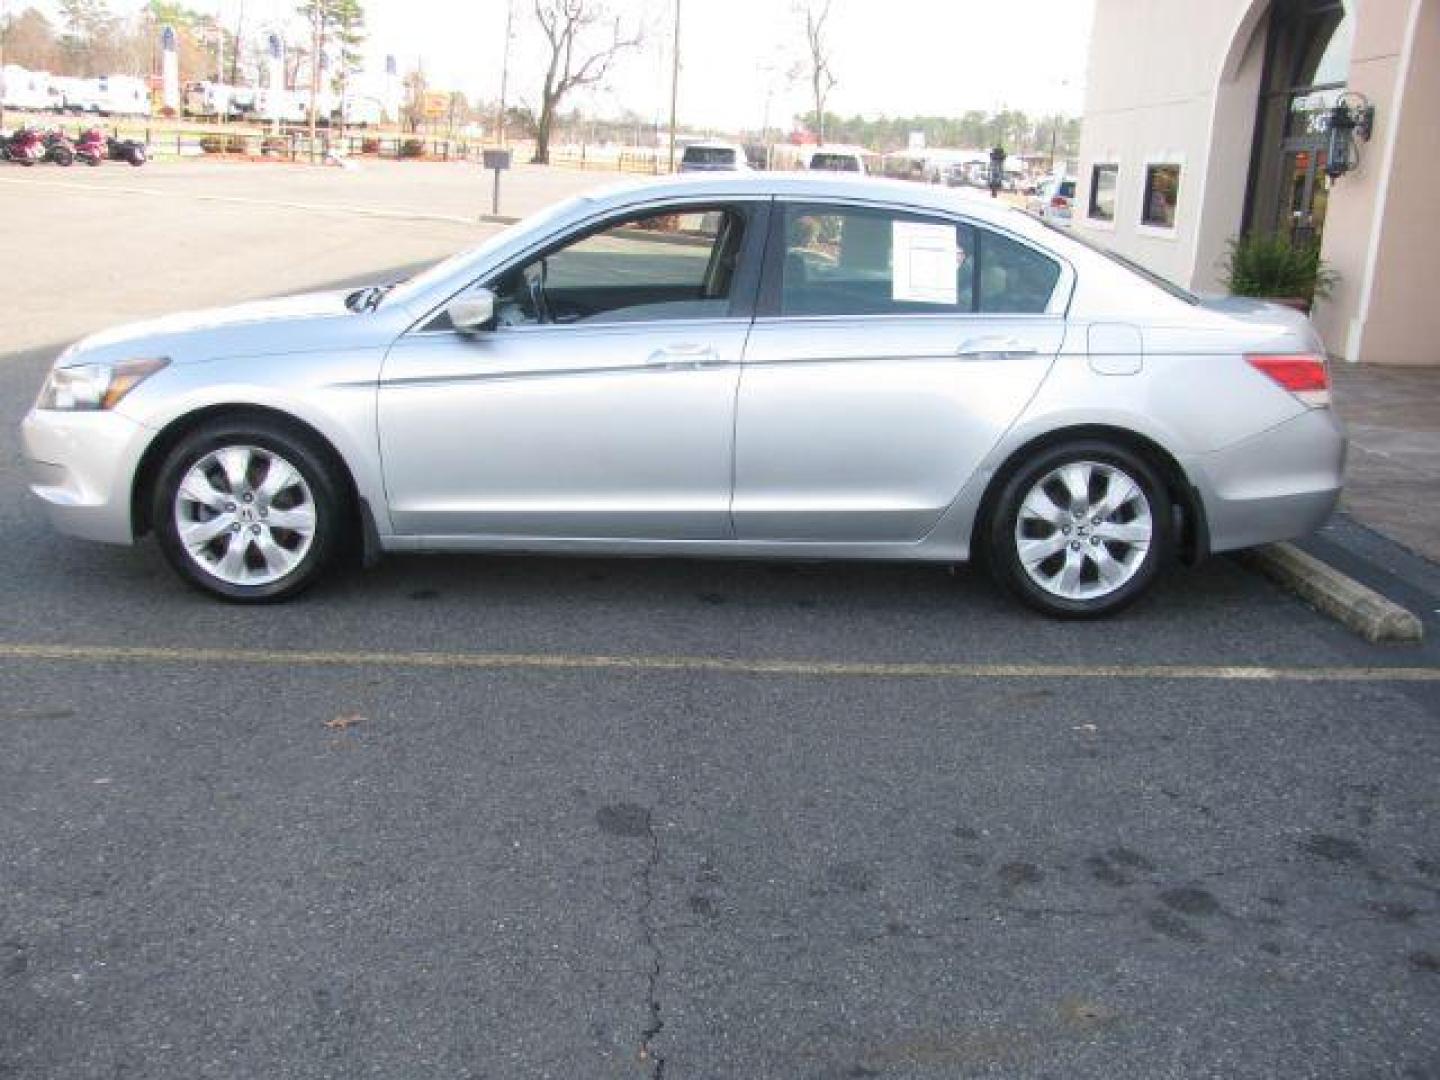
[(1179, 82)]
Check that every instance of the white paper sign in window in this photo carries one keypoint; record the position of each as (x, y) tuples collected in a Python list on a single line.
[(924, 258)]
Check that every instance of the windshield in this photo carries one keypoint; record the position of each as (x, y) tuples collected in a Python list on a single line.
[(708, 155), (1135, 268), (426, 279), (835, 162)]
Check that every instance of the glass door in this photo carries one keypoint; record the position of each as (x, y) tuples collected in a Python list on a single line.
[(1308, 195)]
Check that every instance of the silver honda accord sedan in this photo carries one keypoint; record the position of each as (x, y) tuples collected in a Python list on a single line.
[(777, 366)]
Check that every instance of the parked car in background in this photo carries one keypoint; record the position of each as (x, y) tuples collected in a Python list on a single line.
[(847, 159), (1053, 200), (713, 157), (787, 365)]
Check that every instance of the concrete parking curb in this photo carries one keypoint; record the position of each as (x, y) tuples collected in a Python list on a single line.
[(1356, 606), (497, 219)]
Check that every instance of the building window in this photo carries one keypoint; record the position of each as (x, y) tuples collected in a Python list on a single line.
[(1102, 192), (1162, 190)]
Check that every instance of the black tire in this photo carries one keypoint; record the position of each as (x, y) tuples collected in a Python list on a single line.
[(64, 158), (327, 488), (1001, 547), (136, 156)]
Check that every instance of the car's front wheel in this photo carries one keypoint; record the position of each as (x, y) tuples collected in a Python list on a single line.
[(1080, 530), (248, 512)]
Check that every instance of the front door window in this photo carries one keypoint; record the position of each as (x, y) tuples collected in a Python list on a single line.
[(644, 269)]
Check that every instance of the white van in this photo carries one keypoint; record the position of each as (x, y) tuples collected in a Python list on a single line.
[(287, 106), (713, 157), (848, 159), (21, 88), (361, 112), (124, 95), (208, 99), (109, 95)]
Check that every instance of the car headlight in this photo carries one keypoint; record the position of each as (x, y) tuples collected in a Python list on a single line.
[(95, 386)]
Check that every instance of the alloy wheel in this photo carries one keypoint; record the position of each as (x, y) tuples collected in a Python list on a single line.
[(1083, 530), (245, 515)]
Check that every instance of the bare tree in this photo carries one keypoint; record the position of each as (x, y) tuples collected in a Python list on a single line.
[(412, 112), (576, 59), (822, 79)]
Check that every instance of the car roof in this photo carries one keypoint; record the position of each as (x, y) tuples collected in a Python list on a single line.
[(811, 185)]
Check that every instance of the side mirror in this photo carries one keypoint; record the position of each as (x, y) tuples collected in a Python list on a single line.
[(473, 311)]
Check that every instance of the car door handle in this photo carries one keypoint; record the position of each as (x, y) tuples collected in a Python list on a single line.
[(684, 356), (995, 346)]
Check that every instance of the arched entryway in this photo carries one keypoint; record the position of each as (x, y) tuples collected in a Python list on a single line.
[(1307, 60)]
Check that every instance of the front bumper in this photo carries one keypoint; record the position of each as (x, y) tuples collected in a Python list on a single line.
[(81, 465), (1279, 485)]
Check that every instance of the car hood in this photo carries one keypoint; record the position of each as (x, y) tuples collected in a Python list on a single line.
[(283, 324)]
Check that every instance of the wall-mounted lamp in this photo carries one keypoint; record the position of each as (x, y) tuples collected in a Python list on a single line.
[(1352, 119)]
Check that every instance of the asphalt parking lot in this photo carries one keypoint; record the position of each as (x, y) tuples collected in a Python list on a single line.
[(511, 817)]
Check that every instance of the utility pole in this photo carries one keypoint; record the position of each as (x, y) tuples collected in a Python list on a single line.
[(504, 73), (674, 83), (317, 41), (239, 36), (4, 27), (220, 50)]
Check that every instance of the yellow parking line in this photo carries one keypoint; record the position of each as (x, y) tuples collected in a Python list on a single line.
[(143, 654)]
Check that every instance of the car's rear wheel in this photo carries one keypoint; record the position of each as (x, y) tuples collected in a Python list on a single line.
[(1080, 530), (249, 512)]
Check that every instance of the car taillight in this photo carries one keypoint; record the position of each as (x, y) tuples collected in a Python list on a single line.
[(1304, 375), (1059, 202)]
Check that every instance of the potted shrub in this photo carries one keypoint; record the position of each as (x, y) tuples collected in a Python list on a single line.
[(1268, 266)]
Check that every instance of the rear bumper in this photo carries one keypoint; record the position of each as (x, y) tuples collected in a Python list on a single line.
[(81, 465), (1279, 485)]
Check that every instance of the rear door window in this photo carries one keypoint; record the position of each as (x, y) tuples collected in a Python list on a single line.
[(1014, 279), (843, 260)]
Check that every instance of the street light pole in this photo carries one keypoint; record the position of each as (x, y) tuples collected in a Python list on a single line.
[(674, 84), (504, 75)]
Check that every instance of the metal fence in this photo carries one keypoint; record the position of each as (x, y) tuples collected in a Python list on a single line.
[(613, 159), (292, 143), (288, 144)]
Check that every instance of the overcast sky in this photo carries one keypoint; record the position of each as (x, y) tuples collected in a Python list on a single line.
[(895, 57)]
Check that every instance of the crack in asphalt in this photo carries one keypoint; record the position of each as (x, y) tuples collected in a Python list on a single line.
[(649, 938)]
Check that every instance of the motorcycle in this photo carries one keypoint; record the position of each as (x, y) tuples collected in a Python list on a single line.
[(129, 150), (59, 149), (24, 146), (91, 148)]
